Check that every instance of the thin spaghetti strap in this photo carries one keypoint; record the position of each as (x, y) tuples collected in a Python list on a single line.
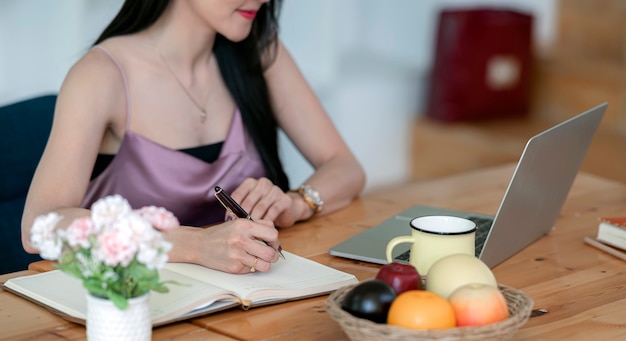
[(119, 67)]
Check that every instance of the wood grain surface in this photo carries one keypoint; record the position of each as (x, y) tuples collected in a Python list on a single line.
[(580, 290)]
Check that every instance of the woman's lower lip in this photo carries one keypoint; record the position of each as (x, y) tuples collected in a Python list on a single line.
[(247, 14)]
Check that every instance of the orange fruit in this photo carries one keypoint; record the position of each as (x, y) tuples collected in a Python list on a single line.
[(421, 310)]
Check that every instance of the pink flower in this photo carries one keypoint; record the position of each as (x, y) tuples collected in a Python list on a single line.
[(159, 217), (116, 247), (92, 248), (79, 231)]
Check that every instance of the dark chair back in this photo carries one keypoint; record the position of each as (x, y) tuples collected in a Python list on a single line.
[(24, 130)]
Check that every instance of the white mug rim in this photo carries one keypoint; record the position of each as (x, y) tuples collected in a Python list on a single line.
[(469, 228)]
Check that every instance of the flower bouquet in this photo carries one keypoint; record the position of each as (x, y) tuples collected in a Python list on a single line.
[(116, 251)]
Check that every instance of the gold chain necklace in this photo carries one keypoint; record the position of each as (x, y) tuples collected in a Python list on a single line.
[(182, 86)]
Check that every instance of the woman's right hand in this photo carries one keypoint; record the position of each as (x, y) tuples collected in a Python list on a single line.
[(235, 246)]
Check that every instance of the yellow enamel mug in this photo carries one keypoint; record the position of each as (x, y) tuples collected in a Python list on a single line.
[(434, 237)]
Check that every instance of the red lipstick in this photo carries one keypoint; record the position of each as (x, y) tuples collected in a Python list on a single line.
[(247, 14)]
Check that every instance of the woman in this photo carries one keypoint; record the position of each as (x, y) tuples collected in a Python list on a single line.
[(178, 97)]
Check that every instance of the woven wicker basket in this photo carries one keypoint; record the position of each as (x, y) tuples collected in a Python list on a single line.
[(520, 306)]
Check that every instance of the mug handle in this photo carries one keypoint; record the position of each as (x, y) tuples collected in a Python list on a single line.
[(394, 242)]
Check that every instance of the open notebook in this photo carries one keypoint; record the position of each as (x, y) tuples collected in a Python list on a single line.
[(201, 290)]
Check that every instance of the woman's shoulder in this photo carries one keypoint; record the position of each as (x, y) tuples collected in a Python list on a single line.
[(95, 64), (104, 59), (95, 79)]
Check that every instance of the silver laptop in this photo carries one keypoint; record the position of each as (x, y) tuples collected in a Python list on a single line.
[(531, 204)]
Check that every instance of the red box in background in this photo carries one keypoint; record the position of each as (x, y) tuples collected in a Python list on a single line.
[(482, 65)]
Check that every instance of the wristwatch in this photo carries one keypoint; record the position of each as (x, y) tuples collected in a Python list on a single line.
[(311, 197)]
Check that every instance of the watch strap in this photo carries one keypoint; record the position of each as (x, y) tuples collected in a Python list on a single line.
[(311, 197)]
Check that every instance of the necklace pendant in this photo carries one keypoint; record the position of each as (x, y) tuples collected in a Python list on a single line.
[(185, 90)]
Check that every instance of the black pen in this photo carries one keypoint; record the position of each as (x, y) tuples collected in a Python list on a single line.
[(231, 205)]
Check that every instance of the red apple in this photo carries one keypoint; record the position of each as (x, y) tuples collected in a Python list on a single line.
[(400, 276), (478, 304)]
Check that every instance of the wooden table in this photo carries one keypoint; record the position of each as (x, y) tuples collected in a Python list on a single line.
[(582, 289)]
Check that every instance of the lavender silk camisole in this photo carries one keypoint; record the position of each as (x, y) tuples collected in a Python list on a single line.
[(147, 173)]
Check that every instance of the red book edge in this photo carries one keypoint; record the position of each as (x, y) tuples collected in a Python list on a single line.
[(617, 221)]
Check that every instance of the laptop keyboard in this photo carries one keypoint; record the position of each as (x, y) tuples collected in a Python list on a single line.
[(483, 226), (404, 256)]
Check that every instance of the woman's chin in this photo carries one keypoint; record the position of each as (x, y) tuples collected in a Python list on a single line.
[(236, 39), (236, 36)]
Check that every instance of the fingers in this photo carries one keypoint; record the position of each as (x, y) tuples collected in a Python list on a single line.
[(248, 246), (270, 238), (248, 264), (262, 199), (244, 191), (253, 267), (254, 264), (257, 265)]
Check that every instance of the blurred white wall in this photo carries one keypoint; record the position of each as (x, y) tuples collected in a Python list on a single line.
[(41, 39), (366, 59)]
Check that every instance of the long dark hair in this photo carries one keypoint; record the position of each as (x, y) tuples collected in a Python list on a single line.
[(241, 65)]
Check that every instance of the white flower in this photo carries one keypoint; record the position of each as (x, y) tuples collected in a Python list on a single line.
[(110, 274), (108, 210), (44, 238), (140, 228), (51, 249), (86, 264), (154, 252)]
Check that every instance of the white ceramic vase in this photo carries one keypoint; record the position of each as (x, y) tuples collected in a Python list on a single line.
[(107, 322)]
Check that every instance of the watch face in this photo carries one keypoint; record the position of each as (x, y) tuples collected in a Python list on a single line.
[(313, 195)]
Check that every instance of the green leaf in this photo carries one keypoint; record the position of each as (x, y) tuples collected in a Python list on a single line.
[(120, 301), (160, 287), (71, 269), (67, 258), (94, 286)]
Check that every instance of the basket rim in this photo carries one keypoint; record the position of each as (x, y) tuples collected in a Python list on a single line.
[(522, 303)]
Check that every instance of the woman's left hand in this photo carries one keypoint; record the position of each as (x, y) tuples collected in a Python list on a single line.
[(264, 200)]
